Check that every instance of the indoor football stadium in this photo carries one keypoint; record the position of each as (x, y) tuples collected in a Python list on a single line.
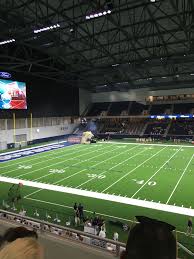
[(97, 127)]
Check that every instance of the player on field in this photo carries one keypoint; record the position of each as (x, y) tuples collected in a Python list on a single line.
[(189, 226)]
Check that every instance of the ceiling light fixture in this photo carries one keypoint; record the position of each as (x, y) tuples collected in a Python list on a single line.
[(99, 14), (7, 41), (47, 28)]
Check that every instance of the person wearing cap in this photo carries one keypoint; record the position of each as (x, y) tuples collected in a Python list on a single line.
[(151, 239)]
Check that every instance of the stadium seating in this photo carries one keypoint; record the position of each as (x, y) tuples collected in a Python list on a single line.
[(118, 107), (134, 128), (156, 128), (111, 126), (138, 108), (182, 128), (183, 108), (98, 108), (161, 109)]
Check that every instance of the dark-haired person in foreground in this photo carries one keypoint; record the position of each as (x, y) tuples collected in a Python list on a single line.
[(151, 239), (19, 232)]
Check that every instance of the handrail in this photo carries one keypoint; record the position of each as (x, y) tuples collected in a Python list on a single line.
[(104, 241), (185, 249), (47, 226)]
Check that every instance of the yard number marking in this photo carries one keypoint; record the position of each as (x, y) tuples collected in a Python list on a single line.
[(24, 167), (96, 176), (150, 183), (57, 171)]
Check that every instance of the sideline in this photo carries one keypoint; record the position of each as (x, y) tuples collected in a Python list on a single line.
[(103, 196)]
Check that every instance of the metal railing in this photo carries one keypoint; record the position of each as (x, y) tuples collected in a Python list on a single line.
[(111, 246), (108, 245)]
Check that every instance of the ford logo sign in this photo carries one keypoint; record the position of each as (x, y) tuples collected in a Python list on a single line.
[(5, 75)]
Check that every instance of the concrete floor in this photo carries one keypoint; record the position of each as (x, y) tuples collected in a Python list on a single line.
[(58, 248)]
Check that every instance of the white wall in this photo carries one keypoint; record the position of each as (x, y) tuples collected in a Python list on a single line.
[(44, 132), (84, 100), (138, 95)]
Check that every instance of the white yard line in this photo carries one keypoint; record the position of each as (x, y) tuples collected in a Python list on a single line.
[(108, 169), (88, 211), (73, 164), (74, 173), (113, 166), (61, 150), (56, 182), (66, 161), (155, 173), (179, 180), (103, 196), (146, 144), (121, 178), (43, 161)]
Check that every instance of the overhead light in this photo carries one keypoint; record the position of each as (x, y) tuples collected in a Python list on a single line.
[(176, 75), (98, 14), (115, 65), (47, 28), (152, 1), (164, 77), (6, 41), (192, 74)]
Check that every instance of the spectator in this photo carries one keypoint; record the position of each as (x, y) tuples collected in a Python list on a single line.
[(150, 239), (81, 211), (116, 236), (19, 232), (22, 248)]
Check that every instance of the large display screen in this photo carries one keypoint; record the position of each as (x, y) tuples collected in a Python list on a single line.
[(12, 95)]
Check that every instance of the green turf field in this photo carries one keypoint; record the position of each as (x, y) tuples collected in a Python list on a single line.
[(154, 174)]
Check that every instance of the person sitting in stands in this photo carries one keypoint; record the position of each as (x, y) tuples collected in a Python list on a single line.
[(151, 239), (22, 248)]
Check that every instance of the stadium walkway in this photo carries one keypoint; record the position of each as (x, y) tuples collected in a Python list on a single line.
[(61, 249)]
